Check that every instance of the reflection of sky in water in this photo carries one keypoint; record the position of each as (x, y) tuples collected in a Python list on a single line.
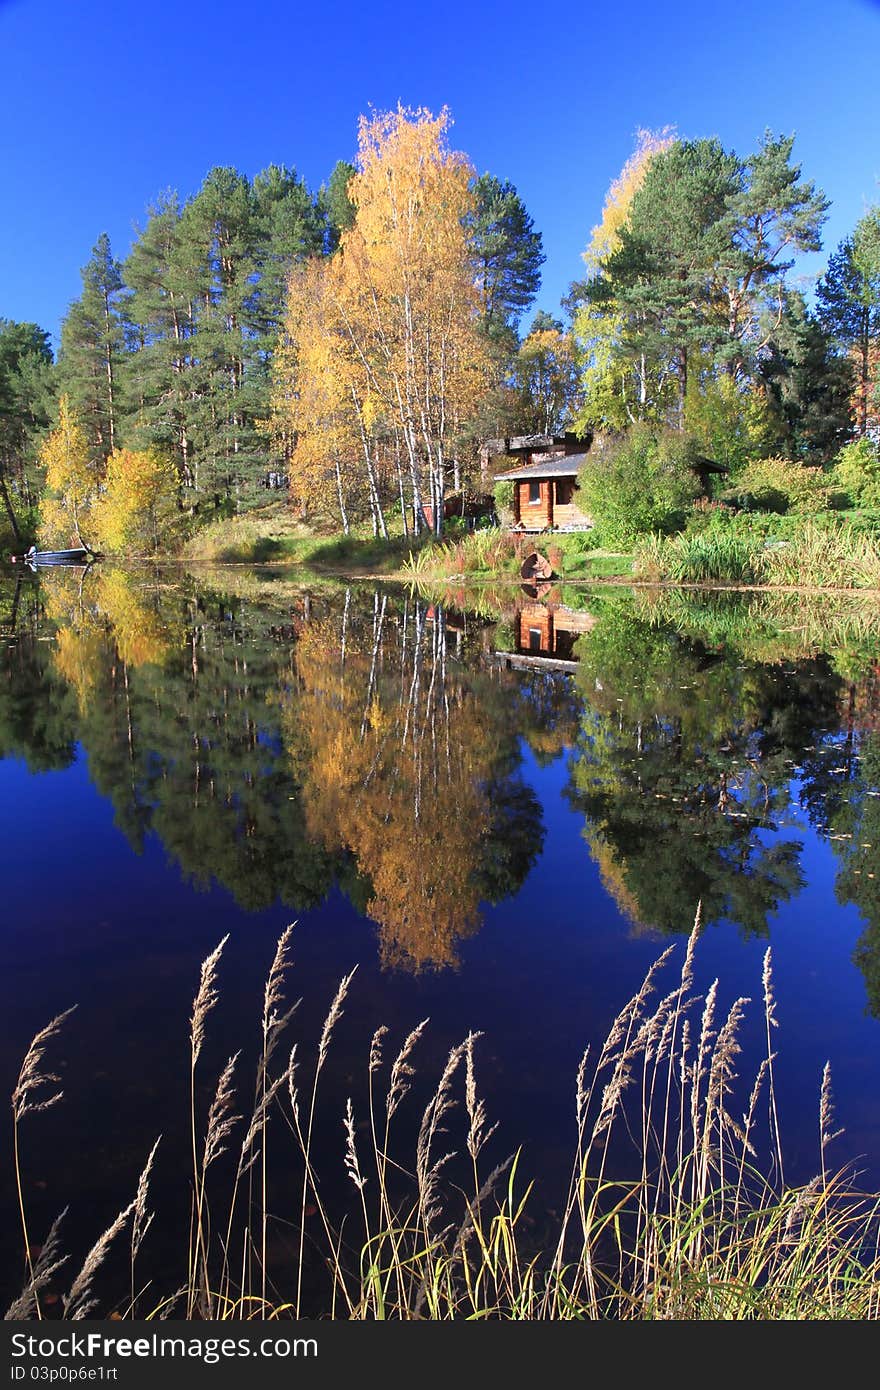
[(88, 921)]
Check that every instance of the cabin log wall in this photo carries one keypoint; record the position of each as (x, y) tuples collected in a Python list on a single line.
[(534, 515)]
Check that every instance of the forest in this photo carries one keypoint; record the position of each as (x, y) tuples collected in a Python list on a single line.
[(346, 350)]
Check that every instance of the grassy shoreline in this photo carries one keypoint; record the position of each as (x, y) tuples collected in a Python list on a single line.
[(811, 556)]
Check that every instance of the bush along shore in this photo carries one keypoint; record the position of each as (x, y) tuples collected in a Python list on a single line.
[(704, 1226)]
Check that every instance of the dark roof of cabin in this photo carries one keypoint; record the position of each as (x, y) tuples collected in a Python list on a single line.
[(526, 443), (565, 467)]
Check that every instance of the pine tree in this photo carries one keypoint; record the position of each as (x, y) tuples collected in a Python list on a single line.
[(163, 286), (508, 255), (334, 202), (848, 298), (92, 344), (27, 399), (809, 385)]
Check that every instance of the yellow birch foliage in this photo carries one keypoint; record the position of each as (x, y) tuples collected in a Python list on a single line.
[(316, 392), (546, 378), (138, 503), (410, 261), (384, 357), (71, 481)]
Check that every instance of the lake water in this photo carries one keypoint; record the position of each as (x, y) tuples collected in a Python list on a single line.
[(499, 807)]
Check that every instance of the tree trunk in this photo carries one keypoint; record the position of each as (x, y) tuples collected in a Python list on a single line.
[(681, 359), (342, 512), (7, 502)]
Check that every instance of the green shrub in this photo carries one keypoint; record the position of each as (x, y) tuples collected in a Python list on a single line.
[(857, 473), (582, 542), (646, 482), (732, 422), (778, 485), (722, 521), (503, 496)]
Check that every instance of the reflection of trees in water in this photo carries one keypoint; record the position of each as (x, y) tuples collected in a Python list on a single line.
[(358, 740), (38, 713), (175, 701), (406, 753), (364, 739), (683, 762), (833, 753), (841, 792)]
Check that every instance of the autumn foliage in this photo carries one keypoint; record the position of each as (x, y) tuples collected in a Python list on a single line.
[(384, 363), (138, 501), (126, 505)]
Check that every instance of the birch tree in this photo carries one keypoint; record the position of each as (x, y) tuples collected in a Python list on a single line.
[(392, 324)]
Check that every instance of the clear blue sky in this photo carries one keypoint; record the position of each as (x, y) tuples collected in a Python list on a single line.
[(107, 104)]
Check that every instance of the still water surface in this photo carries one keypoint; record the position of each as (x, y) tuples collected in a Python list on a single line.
[(498, 808)]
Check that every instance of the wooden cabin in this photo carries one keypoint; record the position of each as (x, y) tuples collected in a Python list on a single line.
[(545, 495)]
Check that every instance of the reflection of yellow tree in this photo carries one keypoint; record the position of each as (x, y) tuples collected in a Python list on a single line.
[(612, 872), (395, 753), (104, 607), (143, 635), (79, 658)]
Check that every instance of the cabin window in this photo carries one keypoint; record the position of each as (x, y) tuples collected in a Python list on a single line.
[(564, 491), (534, 639), (534, 492)]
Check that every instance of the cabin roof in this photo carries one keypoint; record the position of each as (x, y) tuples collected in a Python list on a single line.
[(567, 467), (528, 443)]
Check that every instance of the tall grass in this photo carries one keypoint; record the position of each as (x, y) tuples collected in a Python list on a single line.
[(700, 558), (817, 556), (701, 1225), (490, 550)]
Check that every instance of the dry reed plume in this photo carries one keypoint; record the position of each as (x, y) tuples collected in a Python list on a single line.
[(701, 1225)]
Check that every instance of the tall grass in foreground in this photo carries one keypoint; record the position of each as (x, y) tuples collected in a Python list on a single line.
[(704, 1225)]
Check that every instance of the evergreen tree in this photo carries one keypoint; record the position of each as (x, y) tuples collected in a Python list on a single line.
[(27, 401), (208, 282), (335, 204), (92, 343), (848, 298), (289, 228), (508, 255), (163, 290), (220, 234), (809, 386), (703, 250), (774, 214), (662, 276)]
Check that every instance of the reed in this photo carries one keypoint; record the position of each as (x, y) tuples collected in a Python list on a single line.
[(816, 555), (699, 1224)]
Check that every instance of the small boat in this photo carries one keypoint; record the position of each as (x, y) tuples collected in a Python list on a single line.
[(536, 566), (34, 557)]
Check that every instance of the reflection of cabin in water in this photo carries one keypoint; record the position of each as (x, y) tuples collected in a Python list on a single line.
[(544, 636)]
